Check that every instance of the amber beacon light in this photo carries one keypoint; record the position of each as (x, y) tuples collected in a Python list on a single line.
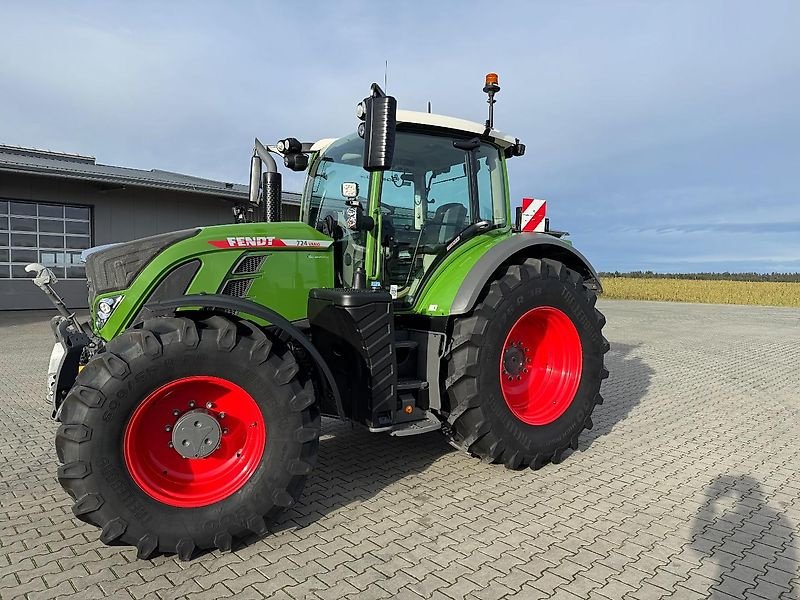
[(491, 87)]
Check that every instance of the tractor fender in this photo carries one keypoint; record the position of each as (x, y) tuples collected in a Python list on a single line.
[(248, 307), (522, 245)]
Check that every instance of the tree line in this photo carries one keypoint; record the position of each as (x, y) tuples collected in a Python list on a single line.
[(724, 276)]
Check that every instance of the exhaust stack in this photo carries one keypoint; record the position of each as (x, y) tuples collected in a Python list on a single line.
[(265, 188)]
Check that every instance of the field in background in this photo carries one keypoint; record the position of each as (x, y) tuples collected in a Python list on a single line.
[(765, 293)]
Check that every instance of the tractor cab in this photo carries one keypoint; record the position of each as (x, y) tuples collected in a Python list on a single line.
[(446, 178)]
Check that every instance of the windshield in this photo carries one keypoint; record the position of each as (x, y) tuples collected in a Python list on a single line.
[(339, 163)]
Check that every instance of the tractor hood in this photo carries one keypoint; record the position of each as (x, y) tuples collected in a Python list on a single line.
[(273, 264), (114, 266)]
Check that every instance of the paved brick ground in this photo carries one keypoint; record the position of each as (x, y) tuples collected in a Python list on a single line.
[(687, 487)]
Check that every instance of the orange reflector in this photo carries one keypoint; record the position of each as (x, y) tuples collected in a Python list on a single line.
[(409, 409), (491, 79)]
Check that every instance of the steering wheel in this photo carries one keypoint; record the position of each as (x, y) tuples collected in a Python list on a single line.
[(330, 227)]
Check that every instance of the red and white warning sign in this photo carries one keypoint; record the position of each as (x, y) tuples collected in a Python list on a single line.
[(533, 213)]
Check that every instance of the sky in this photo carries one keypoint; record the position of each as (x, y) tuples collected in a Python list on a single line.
[(664, 135)]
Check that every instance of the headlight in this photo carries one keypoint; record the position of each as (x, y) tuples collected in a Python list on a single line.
[(105, 308)]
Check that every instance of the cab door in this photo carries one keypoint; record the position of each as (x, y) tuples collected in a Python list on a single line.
[(437, 187)]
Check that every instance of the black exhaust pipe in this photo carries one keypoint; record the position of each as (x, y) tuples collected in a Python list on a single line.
[(271, 197)]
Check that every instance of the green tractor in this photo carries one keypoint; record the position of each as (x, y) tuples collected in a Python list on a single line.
[(405, 300)]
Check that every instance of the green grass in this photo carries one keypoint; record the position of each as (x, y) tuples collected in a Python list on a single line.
[(763, 293)]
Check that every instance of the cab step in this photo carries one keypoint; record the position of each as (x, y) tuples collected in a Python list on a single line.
[(428, 424), (406, 344), (409, 385)]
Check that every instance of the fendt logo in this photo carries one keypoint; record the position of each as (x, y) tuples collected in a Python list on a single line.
[(247, 242), (267, 242)]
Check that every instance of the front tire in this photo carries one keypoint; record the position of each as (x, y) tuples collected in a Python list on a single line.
[(139, 425), (525, 366)]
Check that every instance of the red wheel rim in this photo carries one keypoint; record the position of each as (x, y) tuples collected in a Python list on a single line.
[(541, 365), (158, 468)]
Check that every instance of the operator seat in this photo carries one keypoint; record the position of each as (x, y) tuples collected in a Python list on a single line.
[(447, 222)]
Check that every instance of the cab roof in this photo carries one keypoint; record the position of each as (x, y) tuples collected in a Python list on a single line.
[(452, 123), (412, 117)]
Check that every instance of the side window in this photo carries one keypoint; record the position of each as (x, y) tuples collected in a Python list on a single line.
[(491, 192), (451, 188)]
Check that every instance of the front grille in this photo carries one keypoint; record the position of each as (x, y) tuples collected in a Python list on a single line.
[(237, 287), (249, 264)]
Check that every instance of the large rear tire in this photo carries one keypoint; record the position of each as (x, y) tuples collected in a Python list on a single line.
[(525, 366), (132, 459)]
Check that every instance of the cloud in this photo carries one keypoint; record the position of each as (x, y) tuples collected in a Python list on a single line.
[(657, 131)]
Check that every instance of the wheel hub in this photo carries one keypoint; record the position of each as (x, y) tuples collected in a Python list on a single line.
[(196, 434), (514, 360), (194, 441)]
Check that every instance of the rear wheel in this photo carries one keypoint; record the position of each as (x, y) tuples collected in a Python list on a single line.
[(187, 435), (525, 366)]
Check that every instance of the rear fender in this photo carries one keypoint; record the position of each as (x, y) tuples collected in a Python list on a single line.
[(516, 248)]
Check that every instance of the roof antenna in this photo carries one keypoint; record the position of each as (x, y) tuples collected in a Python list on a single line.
[(385, 75), (429, 107)]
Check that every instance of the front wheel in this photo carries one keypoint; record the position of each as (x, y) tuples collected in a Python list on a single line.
[(187, 435), (525, 367)]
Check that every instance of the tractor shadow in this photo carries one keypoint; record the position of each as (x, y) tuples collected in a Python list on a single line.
[(742, 535), (355, 465), (628, 381)]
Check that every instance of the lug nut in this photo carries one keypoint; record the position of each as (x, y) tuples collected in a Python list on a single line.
[(207, 441), (170, 445), (185, 442), (191, 403), (224, 432), (167, 428), (221, 415), (176, 412), (209, 405)]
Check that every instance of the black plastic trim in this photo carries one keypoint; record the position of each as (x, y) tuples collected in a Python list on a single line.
[(262, 312), (116, 267), (480, 273)]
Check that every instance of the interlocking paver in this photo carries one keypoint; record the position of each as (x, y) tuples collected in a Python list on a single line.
[(685, 488)]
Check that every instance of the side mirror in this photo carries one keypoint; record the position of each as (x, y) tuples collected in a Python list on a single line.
[(379, 113)]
